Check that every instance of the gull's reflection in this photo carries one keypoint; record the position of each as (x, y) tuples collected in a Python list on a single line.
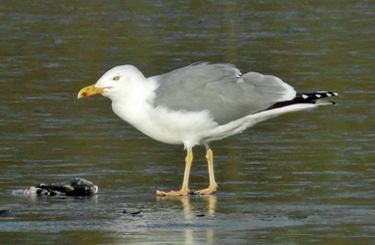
[(187, 207), (211, 203), (185, 201)]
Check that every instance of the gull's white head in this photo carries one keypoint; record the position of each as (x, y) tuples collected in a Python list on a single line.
[(115, 83)]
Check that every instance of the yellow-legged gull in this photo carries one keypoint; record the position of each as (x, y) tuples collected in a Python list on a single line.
[(197, 104)]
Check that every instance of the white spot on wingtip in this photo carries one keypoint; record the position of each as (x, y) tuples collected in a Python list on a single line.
[(318, 95), (304, 96)]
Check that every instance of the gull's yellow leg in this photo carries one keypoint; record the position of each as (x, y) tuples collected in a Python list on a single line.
[(184, 189), (213, 186)]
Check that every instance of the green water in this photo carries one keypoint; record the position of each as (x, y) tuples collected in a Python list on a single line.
[(302, 178)]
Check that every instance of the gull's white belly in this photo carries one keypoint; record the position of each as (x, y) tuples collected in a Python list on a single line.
[(168, 126)]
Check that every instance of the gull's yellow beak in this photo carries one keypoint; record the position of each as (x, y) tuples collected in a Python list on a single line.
[(89, 91)]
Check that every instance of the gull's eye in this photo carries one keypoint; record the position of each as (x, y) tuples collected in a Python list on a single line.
[(116, 78)]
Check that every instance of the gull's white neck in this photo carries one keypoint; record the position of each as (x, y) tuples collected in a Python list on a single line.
[(134, 107)]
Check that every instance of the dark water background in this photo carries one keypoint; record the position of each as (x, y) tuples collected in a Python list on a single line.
[(303, 178)]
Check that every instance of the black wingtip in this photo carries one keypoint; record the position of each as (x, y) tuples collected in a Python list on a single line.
[(308, 98)]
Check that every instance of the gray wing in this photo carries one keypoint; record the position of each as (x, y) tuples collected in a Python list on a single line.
[(220, 89)]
